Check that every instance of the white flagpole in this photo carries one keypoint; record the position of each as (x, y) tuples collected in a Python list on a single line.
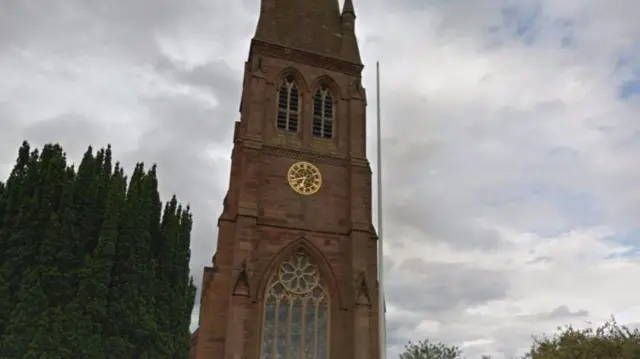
[(382, 309)]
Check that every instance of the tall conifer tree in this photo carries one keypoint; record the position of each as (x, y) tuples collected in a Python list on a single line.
[(90, 266), (9, 209), (29, 256)]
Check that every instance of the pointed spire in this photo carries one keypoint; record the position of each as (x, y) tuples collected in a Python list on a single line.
[(349, 48), (348, 8)]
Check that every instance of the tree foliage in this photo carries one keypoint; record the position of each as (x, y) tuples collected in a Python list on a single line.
[(429, 350), (609, 341), (91, 264)]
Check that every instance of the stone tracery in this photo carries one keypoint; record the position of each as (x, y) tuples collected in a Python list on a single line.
[(296, 312)]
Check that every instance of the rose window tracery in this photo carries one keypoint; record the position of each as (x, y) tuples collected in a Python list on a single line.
[(296, 313), (298, 275)]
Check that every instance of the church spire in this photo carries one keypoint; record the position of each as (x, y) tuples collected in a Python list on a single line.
[(311, 25), (348, 8), (349, 49)]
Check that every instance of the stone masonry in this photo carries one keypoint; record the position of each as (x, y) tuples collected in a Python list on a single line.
[(264, 220)]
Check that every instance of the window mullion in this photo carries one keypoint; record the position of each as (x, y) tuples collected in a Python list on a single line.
[(288, 105), (321, 114), (274, 348), (303, 327), (315, 332), (289, 350)]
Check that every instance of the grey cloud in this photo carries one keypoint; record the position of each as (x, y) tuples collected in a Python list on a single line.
[(539, 259), (388, 265), (438, 289), (560, 312), (74, 131), (564, 311), (184, 118), (420, 193), (435, 218), (9, 129), (217, 78), (442, 177), (195, 314), (398, 327), (130, 29), (633, 326)]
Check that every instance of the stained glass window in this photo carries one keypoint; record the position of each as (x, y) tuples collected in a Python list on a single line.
[(296, 317)]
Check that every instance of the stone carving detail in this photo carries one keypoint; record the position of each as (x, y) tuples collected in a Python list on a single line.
[(259, 66), (242, 288), (362, 290), (355, 89)]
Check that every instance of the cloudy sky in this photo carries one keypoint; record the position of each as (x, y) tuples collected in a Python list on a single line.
[(511, 141)]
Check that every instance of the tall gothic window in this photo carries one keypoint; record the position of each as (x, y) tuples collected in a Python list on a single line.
[(296, 317), (323, 114), (288, 106)]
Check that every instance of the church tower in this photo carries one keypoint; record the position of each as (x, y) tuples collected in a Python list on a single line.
[(294, 275)]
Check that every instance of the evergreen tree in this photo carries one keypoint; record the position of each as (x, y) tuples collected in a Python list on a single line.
[(31, 305), (9, 209), (3, 200), (38, 226), (186, 289), (125, 300), (175, 292), (91, 267), (164, 254), (93, 290), (18, 237)]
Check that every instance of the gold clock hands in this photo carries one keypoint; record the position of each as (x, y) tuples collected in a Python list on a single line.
[(301, 181)]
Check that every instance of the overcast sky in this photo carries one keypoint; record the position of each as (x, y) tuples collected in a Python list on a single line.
[(511, 141)]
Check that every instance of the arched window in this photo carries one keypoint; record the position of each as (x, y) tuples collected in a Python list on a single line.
[(288, 106), (323, 114), (296, 312)]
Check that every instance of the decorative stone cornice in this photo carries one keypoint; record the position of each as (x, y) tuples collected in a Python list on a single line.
[(304, 57), (311, 156), (322, 157)]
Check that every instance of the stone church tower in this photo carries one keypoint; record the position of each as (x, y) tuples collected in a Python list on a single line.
[(295, 271)]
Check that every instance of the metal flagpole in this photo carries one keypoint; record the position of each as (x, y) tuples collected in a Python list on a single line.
[(382, 309)]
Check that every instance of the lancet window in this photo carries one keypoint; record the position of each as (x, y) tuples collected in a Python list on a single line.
[(288, 106), (296, 312), (323, 114)]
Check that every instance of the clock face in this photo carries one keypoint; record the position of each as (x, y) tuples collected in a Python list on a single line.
[(304, 178)]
